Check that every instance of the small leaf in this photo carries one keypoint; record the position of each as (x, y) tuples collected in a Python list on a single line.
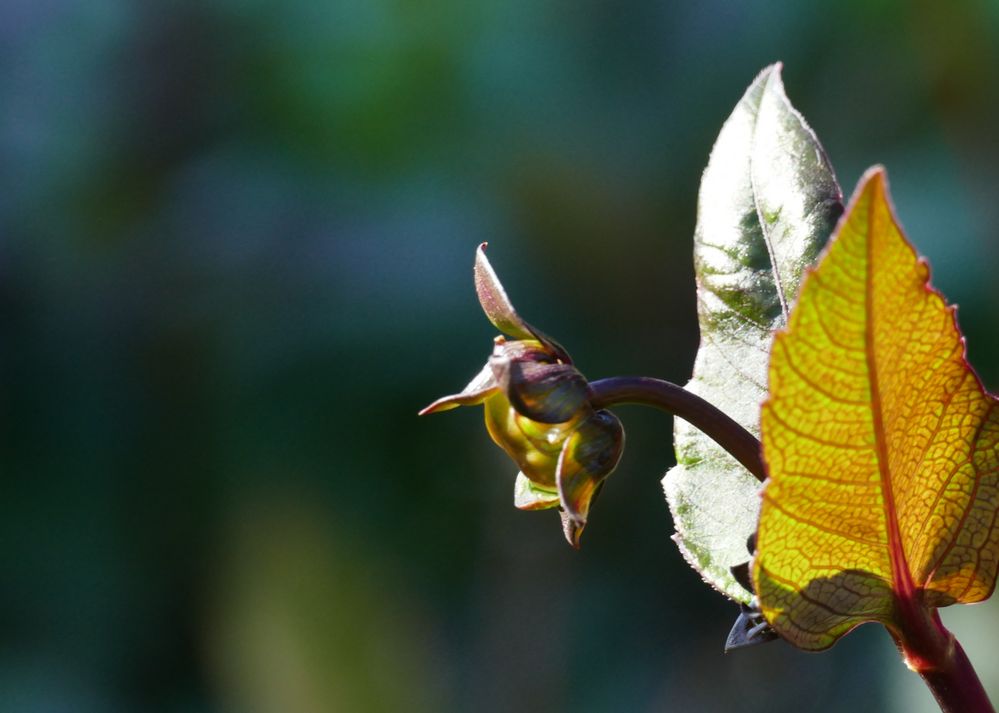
[(750, 629), (589, 455), (494, 301), (881, 444), (767, 203), (481, 387), (529, 496), (500, 311)]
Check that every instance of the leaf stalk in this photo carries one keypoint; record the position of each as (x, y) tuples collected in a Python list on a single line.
[(667, 396)]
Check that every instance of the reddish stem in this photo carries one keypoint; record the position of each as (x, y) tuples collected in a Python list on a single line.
[(933, 652), (665, 395)]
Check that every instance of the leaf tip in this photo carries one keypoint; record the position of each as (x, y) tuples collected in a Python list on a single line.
[(571, 528), (774, 68), (442, 404), (494, 300), (750, 629), (875, 178), (770, 73)]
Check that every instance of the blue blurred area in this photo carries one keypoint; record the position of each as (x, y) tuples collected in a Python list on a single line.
[(235, 251)]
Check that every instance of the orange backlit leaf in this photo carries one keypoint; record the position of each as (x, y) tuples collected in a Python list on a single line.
[(881, 444)]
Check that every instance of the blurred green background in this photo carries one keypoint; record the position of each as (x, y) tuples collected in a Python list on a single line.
[(235, 259)]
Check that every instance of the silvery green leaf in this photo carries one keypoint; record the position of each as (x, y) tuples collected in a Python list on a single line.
[(768, 202)]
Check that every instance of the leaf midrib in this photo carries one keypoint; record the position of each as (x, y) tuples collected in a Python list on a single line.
[(764, 226), (902, 582)]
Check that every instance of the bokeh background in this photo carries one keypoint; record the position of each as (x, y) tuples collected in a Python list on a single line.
[(235, 251)]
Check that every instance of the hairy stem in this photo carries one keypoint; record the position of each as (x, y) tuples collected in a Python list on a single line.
[(667, 396)]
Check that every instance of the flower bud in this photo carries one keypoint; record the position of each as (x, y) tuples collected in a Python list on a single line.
[(533, 446), (538, 386), (538, 410)]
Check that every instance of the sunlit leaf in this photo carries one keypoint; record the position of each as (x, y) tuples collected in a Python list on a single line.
[(881, 444), (767, 203)]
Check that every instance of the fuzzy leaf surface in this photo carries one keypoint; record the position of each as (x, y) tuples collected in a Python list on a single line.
[(768, 201)]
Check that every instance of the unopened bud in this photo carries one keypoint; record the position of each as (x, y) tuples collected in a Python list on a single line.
[(533, 446), (538, 386), (538, 410)]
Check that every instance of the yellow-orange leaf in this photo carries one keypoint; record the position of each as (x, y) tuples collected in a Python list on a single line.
[(881, 444)]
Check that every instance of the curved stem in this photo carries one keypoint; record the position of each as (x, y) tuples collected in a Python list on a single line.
[(667, 396)]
